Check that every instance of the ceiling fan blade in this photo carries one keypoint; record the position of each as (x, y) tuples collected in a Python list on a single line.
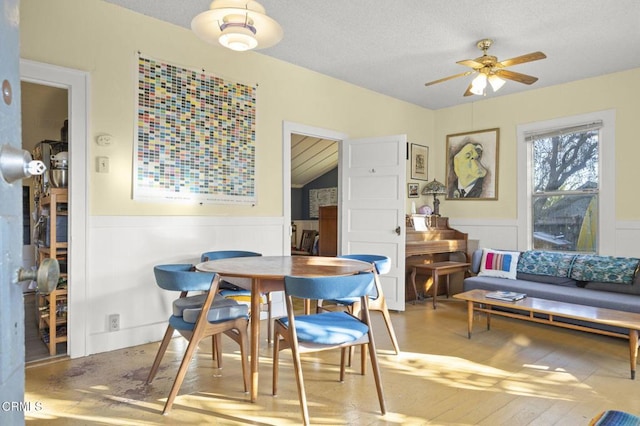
[(448, 78), (521, 59), (471, 64), (468, 92), (516, 76)]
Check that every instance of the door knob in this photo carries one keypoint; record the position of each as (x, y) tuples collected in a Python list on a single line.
[(46, 276), (398, 230), (16, 164)]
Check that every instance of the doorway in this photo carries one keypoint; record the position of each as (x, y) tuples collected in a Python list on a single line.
[(314, 192), (45, 112), (291, 132), (76, 83)]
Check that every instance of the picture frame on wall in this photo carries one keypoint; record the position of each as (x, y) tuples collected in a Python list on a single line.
[(419, 161), (413, 190), (472, 165)]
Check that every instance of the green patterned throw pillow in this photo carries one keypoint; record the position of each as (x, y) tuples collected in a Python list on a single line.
[(549, 263), (607, 269)]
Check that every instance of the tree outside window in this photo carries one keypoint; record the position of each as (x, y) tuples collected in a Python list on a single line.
[(565, 173)]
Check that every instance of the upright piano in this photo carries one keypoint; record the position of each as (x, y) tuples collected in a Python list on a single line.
[(438, 243)]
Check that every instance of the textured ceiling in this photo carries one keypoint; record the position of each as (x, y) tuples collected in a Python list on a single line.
[(395, 47)]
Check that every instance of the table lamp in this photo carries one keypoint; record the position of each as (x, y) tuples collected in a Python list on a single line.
[(435, 188)]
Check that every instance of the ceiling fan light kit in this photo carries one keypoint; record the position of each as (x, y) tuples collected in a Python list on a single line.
[(490, 70), (238, 25), (496, 82), (478, 84)]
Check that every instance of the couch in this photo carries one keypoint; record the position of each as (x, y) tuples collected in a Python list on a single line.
[(592, 280)]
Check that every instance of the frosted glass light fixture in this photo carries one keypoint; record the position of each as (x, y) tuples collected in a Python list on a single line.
[(237, 25), (496, 82), (478, 84)]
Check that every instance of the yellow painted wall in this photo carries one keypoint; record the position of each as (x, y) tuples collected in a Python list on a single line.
[(617, 91), (103, 39)]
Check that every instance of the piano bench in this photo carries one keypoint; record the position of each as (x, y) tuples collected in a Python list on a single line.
[(436, 270)]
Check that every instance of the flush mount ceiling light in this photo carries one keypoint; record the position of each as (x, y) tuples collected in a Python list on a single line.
[(237, 24)]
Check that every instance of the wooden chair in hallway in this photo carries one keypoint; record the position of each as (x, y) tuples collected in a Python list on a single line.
[(325, 330), (306, 243), (197, 317)]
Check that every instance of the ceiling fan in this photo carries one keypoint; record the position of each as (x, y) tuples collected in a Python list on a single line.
[(491, 71)]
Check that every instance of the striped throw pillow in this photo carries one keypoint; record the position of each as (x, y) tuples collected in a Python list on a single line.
[(500, 264)]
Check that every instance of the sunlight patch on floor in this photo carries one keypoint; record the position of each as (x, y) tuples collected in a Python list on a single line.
[(461, 373)]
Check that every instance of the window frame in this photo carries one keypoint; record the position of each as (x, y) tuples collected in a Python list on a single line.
[(606, 196)]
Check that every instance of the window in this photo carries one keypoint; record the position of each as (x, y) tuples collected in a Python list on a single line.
[(565, 185), (566, 189)]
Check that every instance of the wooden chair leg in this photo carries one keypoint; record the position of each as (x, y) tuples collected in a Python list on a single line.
[(276, 360), (343, 356), (244, 355), (163, 348), (302, 396), (376, 373), (269, 320), (217, 347), (390, 330), (182, 371)]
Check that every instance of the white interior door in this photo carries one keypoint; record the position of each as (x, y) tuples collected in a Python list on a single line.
[(373, 176)]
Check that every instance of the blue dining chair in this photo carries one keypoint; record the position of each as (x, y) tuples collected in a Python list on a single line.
[(237, 293), (325, 330), (196, 317), (377, 301)]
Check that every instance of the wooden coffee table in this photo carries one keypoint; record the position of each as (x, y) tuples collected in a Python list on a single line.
[(437, 269), (548, 310)]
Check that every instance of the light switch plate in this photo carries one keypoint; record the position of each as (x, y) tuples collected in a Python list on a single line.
[(102, 164)]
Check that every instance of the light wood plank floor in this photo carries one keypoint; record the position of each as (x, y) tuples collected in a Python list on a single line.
[(35, 350), (516, 374)]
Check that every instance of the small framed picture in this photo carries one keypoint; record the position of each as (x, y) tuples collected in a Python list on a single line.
[(419, 161), (412, 189)]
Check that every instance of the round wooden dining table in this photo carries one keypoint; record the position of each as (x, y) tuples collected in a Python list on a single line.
[(267, 274)]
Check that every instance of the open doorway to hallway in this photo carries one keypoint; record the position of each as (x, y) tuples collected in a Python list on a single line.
[(291, 133), (76, 84), (314, 190), (45, 113)]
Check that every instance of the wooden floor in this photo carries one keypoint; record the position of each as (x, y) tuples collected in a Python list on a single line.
[(518, 373)]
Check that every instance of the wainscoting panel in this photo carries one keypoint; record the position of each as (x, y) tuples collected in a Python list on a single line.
[(503, 234), (496, 234), (123, 251), (628, 239)]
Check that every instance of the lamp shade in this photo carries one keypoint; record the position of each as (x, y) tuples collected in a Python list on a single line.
[(495, 82), (478, 84), (434, 188), (237, 24)]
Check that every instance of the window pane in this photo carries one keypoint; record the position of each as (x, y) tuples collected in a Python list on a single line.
[(565, 222), (566, 162)]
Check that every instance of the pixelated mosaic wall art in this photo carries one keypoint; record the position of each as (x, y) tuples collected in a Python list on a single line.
[(195, 136)]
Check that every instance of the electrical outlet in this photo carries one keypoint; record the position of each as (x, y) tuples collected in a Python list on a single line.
[(114, 322)]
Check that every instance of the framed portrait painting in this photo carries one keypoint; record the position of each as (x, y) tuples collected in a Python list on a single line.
[(419, 161), (472, 165)]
